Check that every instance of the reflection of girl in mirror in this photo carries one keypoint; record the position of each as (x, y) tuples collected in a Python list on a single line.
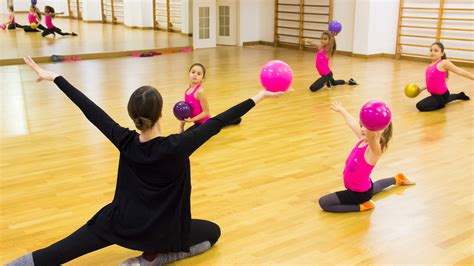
[(34, 18), (11, 24), (49, 14)]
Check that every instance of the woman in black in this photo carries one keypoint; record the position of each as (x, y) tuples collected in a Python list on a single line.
[(150, 211)]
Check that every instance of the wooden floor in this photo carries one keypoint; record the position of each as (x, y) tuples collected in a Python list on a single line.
[(93, 38), (260, 181)]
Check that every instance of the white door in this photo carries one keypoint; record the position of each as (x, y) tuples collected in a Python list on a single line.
[(226, 22), (204, 21)]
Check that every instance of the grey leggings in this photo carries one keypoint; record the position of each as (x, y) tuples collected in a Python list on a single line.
[(331, 202)]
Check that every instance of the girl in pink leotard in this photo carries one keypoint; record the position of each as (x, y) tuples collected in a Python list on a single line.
[(11, 24), (34, 16), (49, 14), (326, 50), (435, 75), (196, 97), (359, 164)]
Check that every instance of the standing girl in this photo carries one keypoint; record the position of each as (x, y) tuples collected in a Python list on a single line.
[(436, 74), (362, 159), (326, 51)]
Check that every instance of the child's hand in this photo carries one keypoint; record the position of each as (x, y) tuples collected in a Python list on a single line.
[(337, 107), (188, 120)]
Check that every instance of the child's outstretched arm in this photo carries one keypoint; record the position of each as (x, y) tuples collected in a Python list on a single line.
[(201, 95), (309, 42), (350, 120), (52, 14), (461, 72)]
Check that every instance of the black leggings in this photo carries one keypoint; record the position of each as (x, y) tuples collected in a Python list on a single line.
[(30, 29), (13, 26), (84, 241), (54, 30), (326, 79), (436, 102)]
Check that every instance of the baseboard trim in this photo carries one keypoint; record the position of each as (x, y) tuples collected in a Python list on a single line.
[(257, 43), (369, 56), (138, 27), (92, 21), (92, 56)]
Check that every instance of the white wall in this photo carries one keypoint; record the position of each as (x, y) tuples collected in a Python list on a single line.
[(375, 26), (132, 12), (187, 16), (3, 7), (256, 20), (58, 5), (249, 26), (138, 13), (361, 27), (343, 11), (21, 5), (267, 26), (91, 10), (383, 26), (146, 19)]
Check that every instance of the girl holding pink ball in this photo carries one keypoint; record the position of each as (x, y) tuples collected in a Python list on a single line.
[(374, 132)]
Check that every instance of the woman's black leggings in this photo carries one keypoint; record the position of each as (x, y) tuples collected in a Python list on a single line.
[(326, 79), (436, 102), (84, 241)]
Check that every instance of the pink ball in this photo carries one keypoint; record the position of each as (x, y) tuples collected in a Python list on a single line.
[(276, 75), (2, 26), (375, 115)]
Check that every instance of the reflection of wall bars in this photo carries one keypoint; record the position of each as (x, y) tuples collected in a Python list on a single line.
[(118, 11), (112, 11), (167, 14), (75, 8), (299, 19), (421, 23)]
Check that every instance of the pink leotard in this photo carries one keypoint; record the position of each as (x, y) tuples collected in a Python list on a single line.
[(357, 170), (322, 62), (436, 80), (196, 107)]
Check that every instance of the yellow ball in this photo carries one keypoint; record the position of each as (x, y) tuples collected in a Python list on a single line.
[(34, 25), (412, 90)]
